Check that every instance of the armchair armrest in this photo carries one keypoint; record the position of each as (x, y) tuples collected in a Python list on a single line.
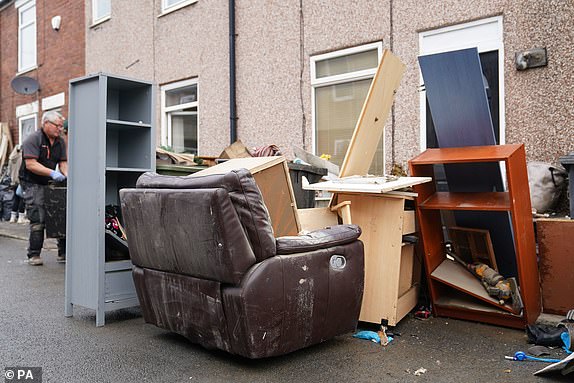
[(318, 239)]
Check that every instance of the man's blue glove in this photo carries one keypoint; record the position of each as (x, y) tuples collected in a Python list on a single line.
[(57, 176)]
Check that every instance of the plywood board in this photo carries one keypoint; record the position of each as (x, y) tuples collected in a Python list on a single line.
[(277, 192), (375, 185), (409, 226), (407, 268), (253, 164), (371, 123), (316, 218), (456, 276), (405, 304)]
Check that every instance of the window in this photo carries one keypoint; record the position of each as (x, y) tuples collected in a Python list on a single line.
[(26, 126), (101, 10), (340, 82), (26, 35), (172, 5), (179, 116)]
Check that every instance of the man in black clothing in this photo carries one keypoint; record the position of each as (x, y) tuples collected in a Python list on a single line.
[(42, 151)]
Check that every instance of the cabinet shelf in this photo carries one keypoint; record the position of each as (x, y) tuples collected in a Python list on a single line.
[(118, 265), (118, 124), (496, 201), (135, 170), (466, 154)]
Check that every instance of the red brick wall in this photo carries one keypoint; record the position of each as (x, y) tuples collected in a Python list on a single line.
[(60, 55)]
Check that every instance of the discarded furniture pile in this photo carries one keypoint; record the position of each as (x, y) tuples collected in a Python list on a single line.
[(238, 256)]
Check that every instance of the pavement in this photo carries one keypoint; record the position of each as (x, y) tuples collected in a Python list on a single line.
[(35, 333)]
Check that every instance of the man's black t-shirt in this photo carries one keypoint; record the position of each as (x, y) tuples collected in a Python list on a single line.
[(37, 146)]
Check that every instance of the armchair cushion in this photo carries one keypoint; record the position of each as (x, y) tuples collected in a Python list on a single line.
[(244, 194), (195, 232), (318, 239)]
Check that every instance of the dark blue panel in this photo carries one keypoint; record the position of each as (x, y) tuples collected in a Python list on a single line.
[(457, 98), (458, 103)]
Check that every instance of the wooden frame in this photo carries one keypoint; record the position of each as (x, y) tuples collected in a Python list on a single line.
[(473, 245)]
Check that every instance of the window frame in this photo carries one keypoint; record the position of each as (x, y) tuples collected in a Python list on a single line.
[(22, 7), (21, 119), (165, 9), (168, 111), (100, 19), (340, 78)]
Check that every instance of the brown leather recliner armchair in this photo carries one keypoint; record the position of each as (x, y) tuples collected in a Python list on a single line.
[(207, 266)]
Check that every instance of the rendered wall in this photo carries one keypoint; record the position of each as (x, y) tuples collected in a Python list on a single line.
[(276, 39), (539, 106)]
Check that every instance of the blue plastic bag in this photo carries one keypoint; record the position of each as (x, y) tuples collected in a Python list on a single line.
[(565, 336), (368, 335)]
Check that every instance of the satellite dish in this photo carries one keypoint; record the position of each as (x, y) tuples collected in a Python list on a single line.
[(25, 85)]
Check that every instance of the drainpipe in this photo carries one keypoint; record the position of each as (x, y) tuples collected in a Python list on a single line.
[(232, 107)]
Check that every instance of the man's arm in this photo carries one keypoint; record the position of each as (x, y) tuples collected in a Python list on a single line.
[(35, 167), (63, 166)]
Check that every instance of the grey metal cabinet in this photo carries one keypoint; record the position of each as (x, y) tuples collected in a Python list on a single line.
[(111, 143)]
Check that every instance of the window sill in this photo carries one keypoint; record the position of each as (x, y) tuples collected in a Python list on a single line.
[(19, 73), (174, 8), (100, 21)]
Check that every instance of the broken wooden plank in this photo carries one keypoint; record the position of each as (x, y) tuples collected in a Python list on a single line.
[(371, 123), (314, 160)]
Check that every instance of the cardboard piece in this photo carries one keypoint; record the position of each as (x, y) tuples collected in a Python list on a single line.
[(235, 150)]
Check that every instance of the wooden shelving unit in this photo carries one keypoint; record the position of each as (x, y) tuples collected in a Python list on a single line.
[(453, 292)]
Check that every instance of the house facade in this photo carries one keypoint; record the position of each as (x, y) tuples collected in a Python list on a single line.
[(41, 49), (296, 73)]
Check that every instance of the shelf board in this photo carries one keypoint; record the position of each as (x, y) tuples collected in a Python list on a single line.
[(454, 275), (455, 300), (118, 124), (495, 201), (133, 170), (118, 265), (494, 153)]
